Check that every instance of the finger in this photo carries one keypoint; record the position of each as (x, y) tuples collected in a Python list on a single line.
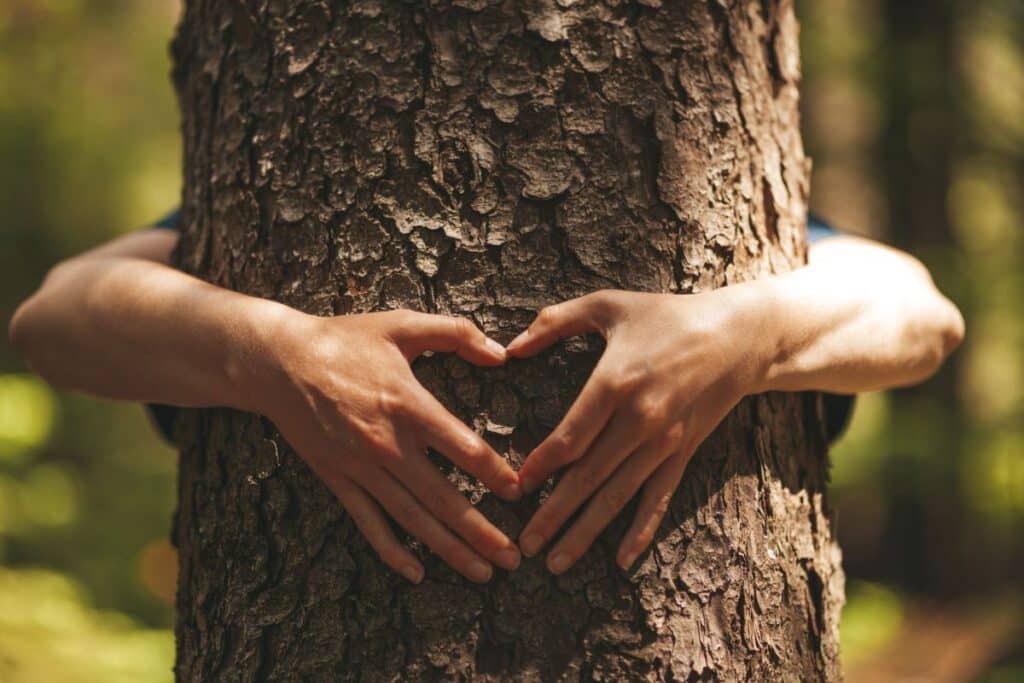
[(608, 502), (451, 437), (654, 502), (449, 506), (419, 332), (375, 528), (584, 420), (617, 442), (410, 514), (578, 316)]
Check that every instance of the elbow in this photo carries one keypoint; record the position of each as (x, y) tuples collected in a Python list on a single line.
[(953, 329), (928, 341), (28, 330), (20, 329), (29, 336), (945, 335)]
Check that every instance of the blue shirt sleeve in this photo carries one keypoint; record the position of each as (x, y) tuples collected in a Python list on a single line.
[(170, 221), (817, 229)]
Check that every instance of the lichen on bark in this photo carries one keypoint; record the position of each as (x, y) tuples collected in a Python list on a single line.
[(487, 158)]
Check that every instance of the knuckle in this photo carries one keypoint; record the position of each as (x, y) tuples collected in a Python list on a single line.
[(654, 413), (606, 387), (616, 498), (407, 511), (360, 519), (476, 535), (549, 314), (561, 446), (604, 303), (626, 383), (645, 536), (587, 478), (477, 451), (452, 550), (391, 556), (661, 505), (347, 467), (463, 328), (332, 432), (602, 299), (544, 526), (648, 411), (444, 508), (391, 402), (379, 442), (673, 436), (481, 451)]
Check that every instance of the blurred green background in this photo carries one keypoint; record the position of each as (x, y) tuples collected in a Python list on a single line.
[(914, 115)]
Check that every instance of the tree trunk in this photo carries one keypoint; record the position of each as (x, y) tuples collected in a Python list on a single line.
[(486, 158)]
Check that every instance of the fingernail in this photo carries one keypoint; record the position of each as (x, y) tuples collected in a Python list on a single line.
[(559, 563), (528, 484), (495, 348), (518, 340), (479, 571), (512, 491), (626, 560), (412, 572), (509, 558), (531, 543)]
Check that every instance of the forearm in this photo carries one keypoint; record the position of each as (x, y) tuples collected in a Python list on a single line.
[(132, 329), (860, 317)]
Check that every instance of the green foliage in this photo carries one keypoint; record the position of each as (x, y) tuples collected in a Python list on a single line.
[(872, 616), (27, 413), (49, 632), (89, 148)]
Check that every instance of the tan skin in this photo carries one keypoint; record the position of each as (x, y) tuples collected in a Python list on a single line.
[(342, 392)]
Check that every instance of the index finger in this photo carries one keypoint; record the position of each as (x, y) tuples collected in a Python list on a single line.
[(419, 332), (451, 437), (572, 318), (568, 441)]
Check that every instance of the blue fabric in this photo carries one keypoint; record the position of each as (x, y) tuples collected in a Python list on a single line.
[(817, 229), (170, 221), (837, 407)]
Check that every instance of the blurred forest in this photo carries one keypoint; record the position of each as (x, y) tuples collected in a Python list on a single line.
[(914, 116)]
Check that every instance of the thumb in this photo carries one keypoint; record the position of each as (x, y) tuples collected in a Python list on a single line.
[(578, 316), (416, 333)]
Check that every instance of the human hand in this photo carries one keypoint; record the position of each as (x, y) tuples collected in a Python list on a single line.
[(673, 367), (349, 404)]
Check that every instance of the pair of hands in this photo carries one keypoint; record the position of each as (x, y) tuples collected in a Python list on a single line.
[(352, 408)]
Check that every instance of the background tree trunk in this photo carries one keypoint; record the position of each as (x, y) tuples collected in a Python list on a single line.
[(485, 159)]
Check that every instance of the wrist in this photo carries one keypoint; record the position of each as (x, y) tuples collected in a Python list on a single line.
[(257, 368), (756, 324), (784, 336)]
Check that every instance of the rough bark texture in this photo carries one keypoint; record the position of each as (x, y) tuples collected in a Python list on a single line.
[(487, 158)]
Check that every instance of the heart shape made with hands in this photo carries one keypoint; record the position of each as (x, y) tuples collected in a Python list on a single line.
[(663, 380), (631, 429)]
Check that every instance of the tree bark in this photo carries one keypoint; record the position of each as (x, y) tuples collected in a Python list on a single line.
[(487, 158)]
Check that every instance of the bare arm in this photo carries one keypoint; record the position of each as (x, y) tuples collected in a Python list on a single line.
[(859, 316), (119, 322)]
